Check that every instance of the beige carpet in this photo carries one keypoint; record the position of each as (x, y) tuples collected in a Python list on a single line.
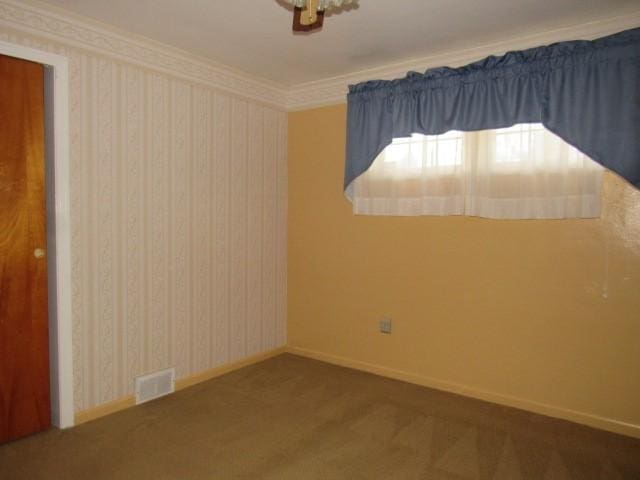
[(294, 418)]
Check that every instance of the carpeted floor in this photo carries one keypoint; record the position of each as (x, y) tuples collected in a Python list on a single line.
[(295, 418)]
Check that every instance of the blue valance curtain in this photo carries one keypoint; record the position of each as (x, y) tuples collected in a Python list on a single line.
[(586, 92)]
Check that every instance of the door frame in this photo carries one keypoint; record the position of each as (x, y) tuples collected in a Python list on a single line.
[(59, 280)]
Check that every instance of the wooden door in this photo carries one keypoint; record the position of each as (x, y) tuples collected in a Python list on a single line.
[(24, 343)]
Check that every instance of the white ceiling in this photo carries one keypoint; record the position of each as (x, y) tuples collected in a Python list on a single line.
[(255, 36)]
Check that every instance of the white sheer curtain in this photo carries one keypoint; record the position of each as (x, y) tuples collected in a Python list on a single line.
[(523, 171)]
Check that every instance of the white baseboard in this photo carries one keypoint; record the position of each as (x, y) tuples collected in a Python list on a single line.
[(590, 420)]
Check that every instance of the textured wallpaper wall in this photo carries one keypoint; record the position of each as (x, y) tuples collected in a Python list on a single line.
[(178, 195)]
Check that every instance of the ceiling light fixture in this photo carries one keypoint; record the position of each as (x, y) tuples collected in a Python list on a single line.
[(308, 15)]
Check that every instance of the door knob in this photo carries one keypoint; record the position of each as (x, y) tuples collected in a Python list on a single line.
[(38, 253)]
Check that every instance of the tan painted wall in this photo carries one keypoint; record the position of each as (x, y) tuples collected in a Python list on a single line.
[(178, 209), (543, 311)]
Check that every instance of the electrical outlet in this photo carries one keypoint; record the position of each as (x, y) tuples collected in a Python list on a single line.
[(385, 325)]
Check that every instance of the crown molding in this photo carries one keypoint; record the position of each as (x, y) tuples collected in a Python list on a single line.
[(334, 90), (55, 24), (76, 31)]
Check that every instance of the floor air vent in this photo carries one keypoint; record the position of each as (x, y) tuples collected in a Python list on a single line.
[(155, 385)]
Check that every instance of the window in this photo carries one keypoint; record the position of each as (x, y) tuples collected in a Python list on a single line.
[(523, 171), (418, 151)]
